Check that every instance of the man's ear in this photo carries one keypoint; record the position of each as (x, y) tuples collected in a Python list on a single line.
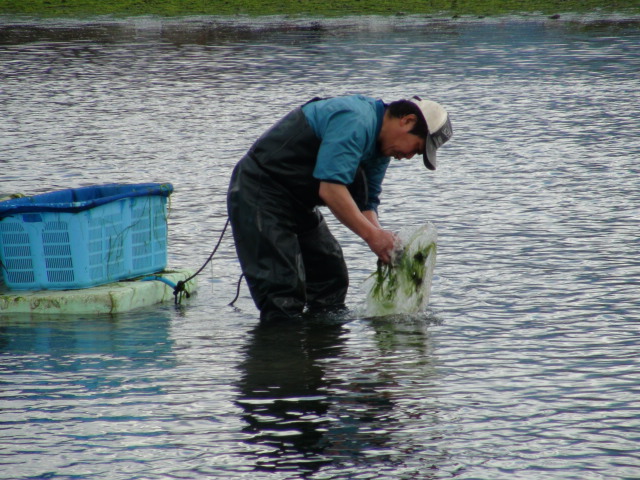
[(408, 121)]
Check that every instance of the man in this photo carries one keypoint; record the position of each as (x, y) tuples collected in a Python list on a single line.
[(331, 152)]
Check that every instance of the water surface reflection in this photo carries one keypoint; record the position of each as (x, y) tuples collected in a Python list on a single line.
[(525, 365), (283, 395), (316, 396)]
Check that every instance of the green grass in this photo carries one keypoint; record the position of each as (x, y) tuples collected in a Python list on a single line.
[(123, 8)]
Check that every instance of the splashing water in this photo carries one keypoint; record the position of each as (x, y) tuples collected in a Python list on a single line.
[(404, 285)]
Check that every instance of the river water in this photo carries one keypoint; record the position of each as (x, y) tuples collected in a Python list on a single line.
[(525, 365)]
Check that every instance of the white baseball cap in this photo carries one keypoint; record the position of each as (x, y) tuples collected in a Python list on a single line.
[(439, 129)]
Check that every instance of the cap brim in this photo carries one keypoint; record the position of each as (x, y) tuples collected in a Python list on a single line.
[(429, 154)]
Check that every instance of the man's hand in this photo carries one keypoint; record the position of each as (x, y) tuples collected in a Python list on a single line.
[(383, 244)]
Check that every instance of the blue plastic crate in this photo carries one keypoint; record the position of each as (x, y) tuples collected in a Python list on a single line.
[(83, 237)]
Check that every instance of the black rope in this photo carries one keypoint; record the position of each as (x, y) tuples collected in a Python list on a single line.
[(180, 289), (237, 291)]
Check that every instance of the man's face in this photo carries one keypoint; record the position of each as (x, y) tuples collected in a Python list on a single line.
[(397, 142)]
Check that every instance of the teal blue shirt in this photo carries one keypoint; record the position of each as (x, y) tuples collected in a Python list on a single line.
[(348, 128)]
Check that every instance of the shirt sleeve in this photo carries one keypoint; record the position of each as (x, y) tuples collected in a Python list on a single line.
[(344, 142), (375, 172)]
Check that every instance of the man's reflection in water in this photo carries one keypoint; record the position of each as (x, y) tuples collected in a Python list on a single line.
[(316, 396), (283, 393)]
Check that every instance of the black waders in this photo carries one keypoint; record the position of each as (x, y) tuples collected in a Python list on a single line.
[(288, 255)]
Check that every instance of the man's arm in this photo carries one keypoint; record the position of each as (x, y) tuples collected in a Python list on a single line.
[(364, 224), (372, 216)]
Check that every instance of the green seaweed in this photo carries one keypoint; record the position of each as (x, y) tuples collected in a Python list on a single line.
[(411, 268)]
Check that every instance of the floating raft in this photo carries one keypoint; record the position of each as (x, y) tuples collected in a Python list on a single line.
[(115, 297)]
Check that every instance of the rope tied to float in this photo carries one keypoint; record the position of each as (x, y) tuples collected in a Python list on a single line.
[(179, 291), (180, 288)]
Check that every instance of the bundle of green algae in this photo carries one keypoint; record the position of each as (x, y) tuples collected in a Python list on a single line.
[(404, 285)]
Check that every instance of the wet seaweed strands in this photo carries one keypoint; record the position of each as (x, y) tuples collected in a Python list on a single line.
[(404, 285)]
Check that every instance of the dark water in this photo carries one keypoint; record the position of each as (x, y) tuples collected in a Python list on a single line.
[(524, 366)]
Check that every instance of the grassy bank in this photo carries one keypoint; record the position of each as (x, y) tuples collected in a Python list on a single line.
[(121, 8)]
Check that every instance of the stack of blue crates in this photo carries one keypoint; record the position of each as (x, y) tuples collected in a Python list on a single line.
[(83, 237)]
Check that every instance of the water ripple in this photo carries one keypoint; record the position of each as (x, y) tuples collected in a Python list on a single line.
[(524, 365)]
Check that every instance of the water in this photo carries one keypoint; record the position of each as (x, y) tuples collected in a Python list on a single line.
[(525, 364)]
